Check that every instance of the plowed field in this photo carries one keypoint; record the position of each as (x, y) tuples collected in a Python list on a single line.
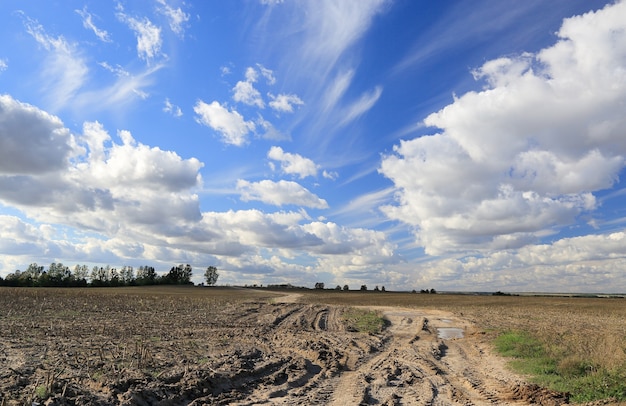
[(223, 347)]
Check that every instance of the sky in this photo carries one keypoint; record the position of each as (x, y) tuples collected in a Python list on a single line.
[(411, 144)]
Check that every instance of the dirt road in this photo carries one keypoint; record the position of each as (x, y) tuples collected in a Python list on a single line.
[(251, 353), (409, 364)]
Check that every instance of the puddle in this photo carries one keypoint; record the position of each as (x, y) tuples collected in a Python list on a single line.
[(449, 333)]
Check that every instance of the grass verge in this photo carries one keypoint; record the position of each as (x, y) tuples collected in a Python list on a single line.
[(364, 321), (554, 367)]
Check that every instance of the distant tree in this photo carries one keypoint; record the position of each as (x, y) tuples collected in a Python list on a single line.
[(346, 287), (337, 287), (211, 275), (433, 291), (382, 289), (146, 275), (127, 275), (363, 287), (100, 276), (376, 289), (319, 285), (179, 275), (81, 272), (34, 270)]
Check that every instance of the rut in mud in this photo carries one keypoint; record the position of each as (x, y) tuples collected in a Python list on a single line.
[(261, 353)]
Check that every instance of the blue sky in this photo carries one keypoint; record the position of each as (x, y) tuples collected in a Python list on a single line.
[(451, 145)]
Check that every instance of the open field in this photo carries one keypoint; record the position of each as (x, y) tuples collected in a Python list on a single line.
[(167, 345)]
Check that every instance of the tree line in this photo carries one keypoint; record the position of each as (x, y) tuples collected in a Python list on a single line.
[(59, 275)]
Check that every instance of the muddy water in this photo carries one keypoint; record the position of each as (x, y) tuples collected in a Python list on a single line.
[(449, 333)]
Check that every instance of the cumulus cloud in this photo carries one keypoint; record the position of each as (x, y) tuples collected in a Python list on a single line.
[(522, 157), (3, 64), (31, 140), (245, 92), (129, 203), (148, 35), (284, 103), (88, 23), (279, 193), (294, 164), (85, 180), (233, 128)]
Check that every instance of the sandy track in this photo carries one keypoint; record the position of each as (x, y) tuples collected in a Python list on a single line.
[(406, 365)]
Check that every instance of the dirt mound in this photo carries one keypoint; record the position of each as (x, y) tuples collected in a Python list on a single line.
[(252, 353)]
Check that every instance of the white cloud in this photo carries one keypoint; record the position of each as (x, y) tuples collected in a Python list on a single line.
[(270, 132), (522, 157), (332, 27), (279, 193), (117, 70), (268, 74), (124, 202), (294, 164), (284, 102), (330, 175), (148, 35), (245, 92), (3, 65), (65, 70), (361, 106), (172, 109), (229, 123), (88, 23), (176, 16), (31, 141), (127, 88)]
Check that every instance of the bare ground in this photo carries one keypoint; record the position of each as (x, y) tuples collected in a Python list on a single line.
[(282, 353)]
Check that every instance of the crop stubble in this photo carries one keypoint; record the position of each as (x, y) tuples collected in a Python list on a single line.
[(227, 346)]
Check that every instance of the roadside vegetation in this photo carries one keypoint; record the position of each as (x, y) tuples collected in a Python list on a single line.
[(364, 321)]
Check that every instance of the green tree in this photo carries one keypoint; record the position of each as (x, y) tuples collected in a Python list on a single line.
[(211, 275), (179, 275), (127, 275), (81, 272), (146, 275)]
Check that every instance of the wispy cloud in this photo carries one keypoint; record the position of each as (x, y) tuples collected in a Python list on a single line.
[(176, 16), (88, 23), (65, 70), (172, 108), (148, 35), (361, 106)]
